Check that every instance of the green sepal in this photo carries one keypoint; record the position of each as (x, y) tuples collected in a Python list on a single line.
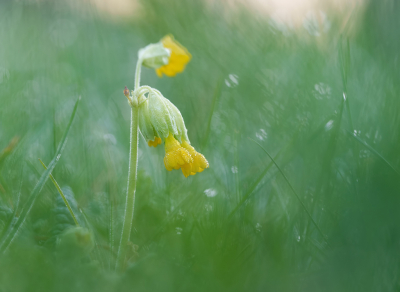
[(145, 126)]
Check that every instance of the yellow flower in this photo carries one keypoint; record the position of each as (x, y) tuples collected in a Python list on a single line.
[(157, 141), (183, 157), (176, 156), (178, 59), (199, 161)]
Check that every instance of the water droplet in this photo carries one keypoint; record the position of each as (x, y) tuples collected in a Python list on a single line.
[(261, 135), (344, 96), (322, 90), (232, 80), (208, 207), (178, 230), (210, 193), (329, 125), (258, 227), (234, 169), (298, 238)]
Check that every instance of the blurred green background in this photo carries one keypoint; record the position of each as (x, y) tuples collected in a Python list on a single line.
[(244, 224)]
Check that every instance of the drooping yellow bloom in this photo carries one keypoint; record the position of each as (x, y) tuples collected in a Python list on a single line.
[(183, 157), (199, 161), (178, 59), (176, 156), (157, 141)]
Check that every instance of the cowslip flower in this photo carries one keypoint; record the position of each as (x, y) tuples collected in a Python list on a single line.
[(178, 59), (167, 57), (156, 118), (160, 119)]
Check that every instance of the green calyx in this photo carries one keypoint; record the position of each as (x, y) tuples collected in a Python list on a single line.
[(158, 117)]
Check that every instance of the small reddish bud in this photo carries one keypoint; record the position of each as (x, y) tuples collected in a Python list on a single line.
[(126, 92)]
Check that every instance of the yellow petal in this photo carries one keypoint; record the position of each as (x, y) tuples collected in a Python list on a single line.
[(186, 170), (178, 59), (199, 161), (176, 156), (154, 143)]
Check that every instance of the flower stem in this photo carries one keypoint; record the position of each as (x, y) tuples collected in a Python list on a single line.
[(132, 177), (137, 73)]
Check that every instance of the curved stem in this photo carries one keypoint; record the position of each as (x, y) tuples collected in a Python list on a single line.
[(130, 196), (132, 177), (137, 73)]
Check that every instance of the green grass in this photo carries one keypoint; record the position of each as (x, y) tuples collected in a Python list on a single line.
[(335, 162)]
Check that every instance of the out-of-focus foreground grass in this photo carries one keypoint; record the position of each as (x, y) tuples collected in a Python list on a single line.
[(243, 224)]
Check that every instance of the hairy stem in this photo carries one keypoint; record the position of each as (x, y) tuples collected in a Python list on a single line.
[(132, 177), (137, 73)]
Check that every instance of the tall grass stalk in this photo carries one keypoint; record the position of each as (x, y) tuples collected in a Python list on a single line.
[(62, 195)]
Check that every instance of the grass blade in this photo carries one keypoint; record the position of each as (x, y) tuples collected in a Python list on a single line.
[(61, 194), (9, 237), (291, 187), (254, 185), (374, 151), (217, 93)]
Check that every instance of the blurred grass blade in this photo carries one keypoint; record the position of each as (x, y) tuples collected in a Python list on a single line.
[(253, 186), (62, 195), (251, 189), (9, 236), (374, 151), (12, 219), (291, 187), (97, 248), (217, 93), (10, 147), (344, 58)]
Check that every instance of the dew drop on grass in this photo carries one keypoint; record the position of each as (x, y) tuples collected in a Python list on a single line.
[(329, 125), (210, 193), (322, 90), (232, 80), (234, 169), (208, 207), (261, 135)]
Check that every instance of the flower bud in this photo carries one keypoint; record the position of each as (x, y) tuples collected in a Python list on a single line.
[(158, 118), (154, 55), (145, 126), (179, 122), (161, 114)]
